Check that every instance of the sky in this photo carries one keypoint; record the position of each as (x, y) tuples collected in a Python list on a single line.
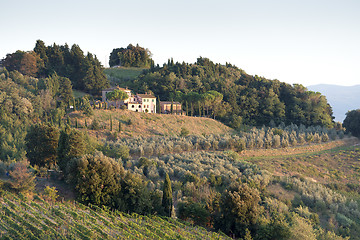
[(307, 42)]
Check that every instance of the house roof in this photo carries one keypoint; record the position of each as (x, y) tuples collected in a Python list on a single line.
[(146, 95)]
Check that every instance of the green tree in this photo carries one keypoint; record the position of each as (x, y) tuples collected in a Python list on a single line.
[(71, 145), (239, 209), (41, 144), (96, 178), (65, 90), (116, 95), (86, 107), (352, 122), (132, 56), (167, 201)]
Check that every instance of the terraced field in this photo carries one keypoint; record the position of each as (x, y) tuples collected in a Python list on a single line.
[(39, 219)]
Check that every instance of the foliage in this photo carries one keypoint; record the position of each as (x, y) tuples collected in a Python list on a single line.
[(352, 122), (85, 72), (132, 56), (255, 99), (86, 107), (167, 201), (24, 62), (95, 178), (116, 95), (21, 179), (239, 209), (194, 212), (50, 193), (71, 145), (41, 144)]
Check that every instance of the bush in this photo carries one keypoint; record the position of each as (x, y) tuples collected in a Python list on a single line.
[(184, 132), (21, 179)]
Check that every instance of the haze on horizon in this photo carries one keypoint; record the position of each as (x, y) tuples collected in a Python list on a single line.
[(306, 42)]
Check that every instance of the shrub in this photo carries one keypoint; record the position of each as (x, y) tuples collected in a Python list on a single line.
[(184, 132), (21, 179), (51, 193)]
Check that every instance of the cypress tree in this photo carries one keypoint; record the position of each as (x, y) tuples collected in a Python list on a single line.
[(158, 106), (199, 105), (111, 123), (167, 202), (172, 106)]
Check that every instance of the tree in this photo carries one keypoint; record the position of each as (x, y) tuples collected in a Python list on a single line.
[(239, 209), (86, 107), (215, 101), (167, 202), (352, 122), (42, 143), (40, 49), (96, 178), (71, 145), (116, 95), (21, 179), (65, 90), (24, 62), (132, 56)]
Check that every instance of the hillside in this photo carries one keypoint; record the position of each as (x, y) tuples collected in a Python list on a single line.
[(122, 75), (135, 124), (39, 219), (341, 98)]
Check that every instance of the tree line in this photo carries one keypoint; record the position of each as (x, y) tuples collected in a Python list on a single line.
[(85, 71), (246, 99), (131, 56)]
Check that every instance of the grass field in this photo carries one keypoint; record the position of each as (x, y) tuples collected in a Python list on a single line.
[(333, 162), (122, 76)]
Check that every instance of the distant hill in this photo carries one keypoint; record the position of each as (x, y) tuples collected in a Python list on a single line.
[(341, 98)]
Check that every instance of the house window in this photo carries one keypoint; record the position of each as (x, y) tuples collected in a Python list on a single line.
[(139, 106), (132, 106), (153, 100)]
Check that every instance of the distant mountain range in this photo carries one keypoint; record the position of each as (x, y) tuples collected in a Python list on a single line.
[(341, 98)]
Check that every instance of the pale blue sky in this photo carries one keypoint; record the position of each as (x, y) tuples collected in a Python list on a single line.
[(307, 41)]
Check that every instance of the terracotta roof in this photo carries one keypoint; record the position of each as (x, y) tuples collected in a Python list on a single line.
[(146, 95)]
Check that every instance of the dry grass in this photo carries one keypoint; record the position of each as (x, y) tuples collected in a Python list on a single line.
[(333, 162), (135, 124)]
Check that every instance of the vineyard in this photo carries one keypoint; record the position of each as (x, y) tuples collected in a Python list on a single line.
[(39, 219)]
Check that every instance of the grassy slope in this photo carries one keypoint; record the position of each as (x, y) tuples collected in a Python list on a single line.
[(39, 219), (145, 124), (121, 76), (332, 162)]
